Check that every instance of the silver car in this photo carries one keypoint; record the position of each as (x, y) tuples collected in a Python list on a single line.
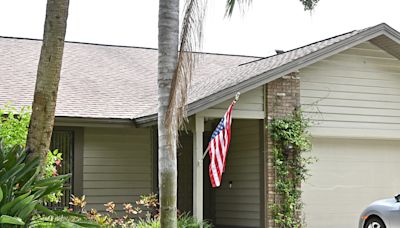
[(382, 214)]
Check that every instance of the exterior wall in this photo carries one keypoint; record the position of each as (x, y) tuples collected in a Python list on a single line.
[(283, 96), (240, 204), (117, 165), (355, 93), (250, 106)]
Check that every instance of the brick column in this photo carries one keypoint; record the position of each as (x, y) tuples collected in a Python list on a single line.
[(282, 97)]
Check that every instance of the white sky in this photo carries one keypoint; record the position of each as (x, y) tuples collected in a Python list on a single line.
[(266, 26)]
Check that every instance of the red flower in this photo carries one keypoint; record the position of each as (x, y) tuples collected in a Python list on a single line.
[(54, 172), (58, 162)]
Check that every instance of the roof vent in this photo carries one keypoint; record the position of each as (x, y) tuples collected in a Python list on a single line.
[(278, 52)]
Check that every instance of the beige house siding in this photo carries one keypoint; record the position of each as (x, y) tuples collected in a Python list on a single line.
[(117, 165), (355, 93), (240, 205), (250, 106)]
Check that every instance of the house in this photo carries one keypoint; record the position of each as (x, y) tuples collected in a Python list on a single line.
[(106, 116)]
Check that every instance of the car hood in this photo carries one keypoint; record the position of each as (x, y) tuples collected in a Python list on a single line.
[(384, 202)]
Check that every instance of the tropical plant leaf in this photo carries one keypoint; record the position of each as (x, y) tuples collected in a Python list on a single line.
[(51, 180), (11, 157), (49, 189), (22, 204), (1, 194), (87, 224), (6, 207), (32, 165), (5, 219), (27, 210), (28, 183), (44, 210), (11, 173), (65, 224)]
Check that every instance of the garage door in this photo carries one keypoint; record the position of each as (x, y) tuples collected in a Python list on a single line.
[(348, 175)]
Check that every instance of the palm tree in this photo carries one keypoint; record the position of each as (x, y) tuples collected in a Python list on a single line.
[(47, 79), (230, 5), (176, 62), (168, 35)]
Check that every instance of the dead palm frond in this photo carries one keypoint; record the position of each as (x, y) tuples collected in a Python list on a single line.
[(230, 5), (190, 41)]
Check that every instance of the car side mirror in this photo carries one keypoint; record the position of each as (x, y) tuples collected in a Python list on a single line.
[(397, 197)]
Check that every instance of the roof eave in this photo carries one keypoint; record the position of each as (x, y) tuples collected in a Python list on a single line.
[(93, 122)]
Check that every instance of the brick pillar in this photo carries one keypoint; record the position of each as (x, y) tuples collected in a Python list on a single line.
[(282, 97)]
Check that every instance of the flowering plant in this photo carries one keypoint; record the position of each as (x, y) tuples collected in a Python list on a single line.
[(53, 162)]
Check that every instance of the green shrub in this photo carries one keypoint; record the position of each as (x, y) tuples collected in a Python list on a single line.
[(144, 215), (14, 126), (67, 220), (21, 190), (184, 221), (13, 132)]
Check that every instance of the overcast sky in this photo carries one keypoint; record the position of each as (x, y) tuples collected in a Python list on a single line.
[(266, 26)]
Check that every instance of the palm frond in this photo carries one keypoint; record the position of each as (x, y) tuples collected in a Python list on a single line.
[(309, 4), (190, 41), (230, 6)]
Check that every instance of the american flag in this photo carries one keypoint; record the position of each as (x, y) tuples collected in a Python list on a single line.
[(218, 147)]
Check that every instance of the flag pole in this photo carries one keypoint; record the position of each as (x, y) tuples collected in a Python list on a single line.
[(208, 148), (205, 152)]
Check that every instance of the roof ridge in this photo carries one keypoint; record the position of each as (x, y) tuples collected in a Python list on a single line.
[(127, 46), (332, 37), (329, 38)]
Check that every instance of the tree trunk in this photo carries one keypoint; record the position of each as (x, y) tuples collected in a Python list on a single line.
[(168, 36), (47, 79)]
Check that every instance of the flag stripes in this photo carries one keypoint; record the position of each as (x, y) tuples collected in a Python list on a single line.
[(218, 147)]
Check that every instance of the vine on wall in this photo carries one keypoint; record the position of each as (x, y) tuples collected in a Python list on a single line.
[(291, 140)]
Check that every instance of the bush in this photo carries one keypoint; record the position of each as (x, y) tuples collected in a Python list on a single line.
[(14, 126), (14, 131), (184, 221), (66, 220), (144, 215), (22, 191)]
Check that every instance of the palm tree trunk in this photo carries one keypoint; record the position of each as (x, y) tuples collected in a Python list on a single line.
[(47, 79), (168, 36)]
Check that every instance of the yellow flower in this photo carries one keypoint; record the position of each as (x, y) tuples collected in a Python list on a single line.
[(128, 208), (110, 206), (79, 202)]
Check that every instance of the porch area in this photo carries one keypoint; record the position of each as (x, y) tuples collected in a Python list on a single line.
[(239, 201)]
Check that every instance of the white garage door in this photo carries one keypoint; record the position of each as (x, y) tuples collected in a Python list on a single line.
[(348, 175)]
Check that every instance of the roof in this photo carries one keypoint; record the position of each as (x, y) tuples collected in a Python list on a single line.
[(118, 82), (247, 76), (97, 81)]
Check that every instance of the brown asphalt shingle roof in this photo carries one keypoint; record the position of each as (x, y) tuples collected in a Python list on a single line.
[(115, 82), (97, 81)]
